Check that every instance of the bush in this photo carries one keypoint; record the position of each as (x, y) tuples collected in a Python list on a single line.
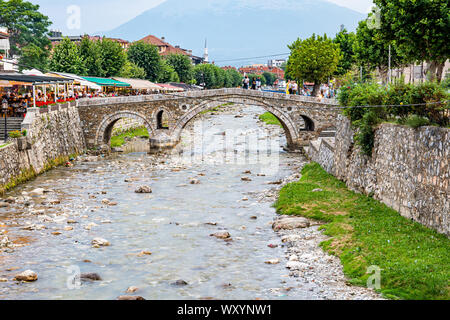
[(416, 121), (15, 134), (433, 108)]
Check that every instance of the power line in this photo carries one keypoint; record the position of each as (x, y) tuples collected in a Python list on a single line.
[(250, 58)]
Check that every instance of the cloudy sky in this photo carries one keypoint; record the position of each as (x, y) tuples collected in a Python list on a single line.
[(104, 15)]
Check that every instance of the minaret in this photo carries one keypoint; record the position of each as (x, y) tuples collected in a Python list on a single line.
[(206, 55)]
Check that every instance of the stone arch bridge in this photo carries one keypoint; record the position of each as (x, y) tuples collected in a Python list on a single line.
[(303, 118)]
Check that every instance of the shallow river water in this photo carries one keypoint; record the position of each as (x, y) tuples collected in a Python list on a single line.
[(174, 223)]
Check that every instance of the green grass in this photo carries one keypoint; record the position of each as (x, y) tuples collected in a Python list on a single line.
[(119, 140), (415, 260), (269, 118)]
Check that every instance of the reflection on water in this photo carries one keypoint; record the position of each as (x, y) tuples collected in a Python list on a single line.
[(174, 223)]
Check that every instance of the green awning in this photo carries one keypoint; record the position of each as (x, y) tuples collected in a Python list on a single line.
[(105, 82)]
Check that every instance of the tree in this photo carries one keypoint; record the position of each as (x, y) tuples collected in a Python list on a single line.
[(90, 52), (205, 76), (270, 78), (113, 57), (314, 60), (25, 24), (345, 40), (419, 28), (235, 76), (132, 71), (372, 52), (146, 56), (167, 73), (182, 66), (66, 58), (34, 57)]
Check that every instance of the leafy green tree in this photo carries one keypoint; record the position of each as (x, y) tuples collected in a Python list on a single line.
[(66, 58), (345, 40), (420, 30), (34, 57), (205, 76), (132, 71), (91, 53), (182, 66), (220, 75), (314, 60), (372, 52), (167, 73), (25, 24), (235, 76), (270, 78), (146, 56), (113, 57)]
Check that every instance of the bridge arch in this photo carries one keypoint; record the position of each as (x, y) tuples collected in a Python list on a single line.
[(104, 131), (286, 121)]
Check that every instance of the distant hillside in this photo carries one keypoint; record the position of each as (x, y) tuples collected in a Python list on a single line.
[(238, 28)]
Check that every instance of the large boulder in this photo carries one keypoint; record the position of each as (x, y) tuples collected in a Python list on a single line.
[(290, 223), (28, 276)]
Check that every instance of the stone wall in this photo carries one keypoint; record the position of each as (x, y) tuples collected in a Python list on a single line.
[(125, 124), (408, 170), (52, 133)]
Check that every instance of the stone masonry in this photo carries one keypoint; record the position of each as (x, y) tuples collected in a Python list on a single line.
[(303, 118), (408, 170), (52, 133)]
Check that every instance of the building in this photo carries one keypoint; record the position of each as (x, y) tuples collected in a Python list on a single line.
[(56, 37), (416, 73), (206, 53), (228, 68), (260, 69), (277, 63), (165, 49), (6, 63)]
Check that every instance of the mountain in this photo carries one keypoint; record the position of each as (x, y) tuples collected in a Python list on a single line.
[(238, 28)]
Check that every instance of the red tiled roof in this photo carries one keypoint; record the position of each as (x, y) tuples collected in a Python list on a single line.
[(169, 49), (4, 35)]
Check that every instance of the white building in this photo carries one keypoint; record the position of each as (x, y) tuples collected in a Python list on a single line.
[(276, 63), (6, 63)]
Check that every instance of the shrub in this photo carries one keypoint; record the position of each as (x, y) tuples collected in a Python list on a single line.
[(15, 134), (416, 121)]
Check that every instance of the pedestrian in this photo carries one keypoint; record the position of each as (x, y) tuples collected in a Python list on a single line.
[(246, 82), (254, 83), (258, 83), (287, 87), (294, 87)]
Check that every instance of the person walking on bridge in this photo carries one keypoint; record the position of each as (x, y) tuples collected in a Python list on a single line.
[(246, 82)]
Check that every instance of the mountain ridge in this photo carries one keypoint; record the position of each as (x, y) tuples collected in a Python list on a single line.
[(236, 29)]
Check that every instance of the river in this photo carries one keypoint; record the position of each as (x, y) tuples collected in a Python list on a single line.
[(96, 198)]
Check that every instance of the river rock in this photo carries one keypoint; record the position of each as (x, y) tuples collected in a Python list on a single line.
[(100, 242), (273, 261), (317, 190), (132, 289), (3, 280), (4, 204), (28, 276), (37, 192), (143, 189), (4, 242), (221, 235), (90, 277), (130, 298), (246, 179), (295, 265), (291, 238), (10, 200), (194, 181), (290, 223), (180, 283)]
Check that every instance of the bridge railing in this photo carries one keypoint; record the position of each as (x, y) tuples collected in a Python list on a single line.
[(203, 94)]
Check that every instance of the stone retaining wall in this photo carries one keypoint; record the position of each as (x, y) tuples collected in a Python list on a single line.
[(52, 133), (408, 170)]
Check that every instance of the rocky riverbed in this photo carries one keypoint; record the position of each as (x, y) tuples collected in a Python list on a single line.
[(194, 224)]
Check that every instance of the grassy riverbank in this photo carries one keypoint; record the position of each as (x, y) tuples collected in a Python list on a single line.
[(414, 259), (119, 140), (269, 118)]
